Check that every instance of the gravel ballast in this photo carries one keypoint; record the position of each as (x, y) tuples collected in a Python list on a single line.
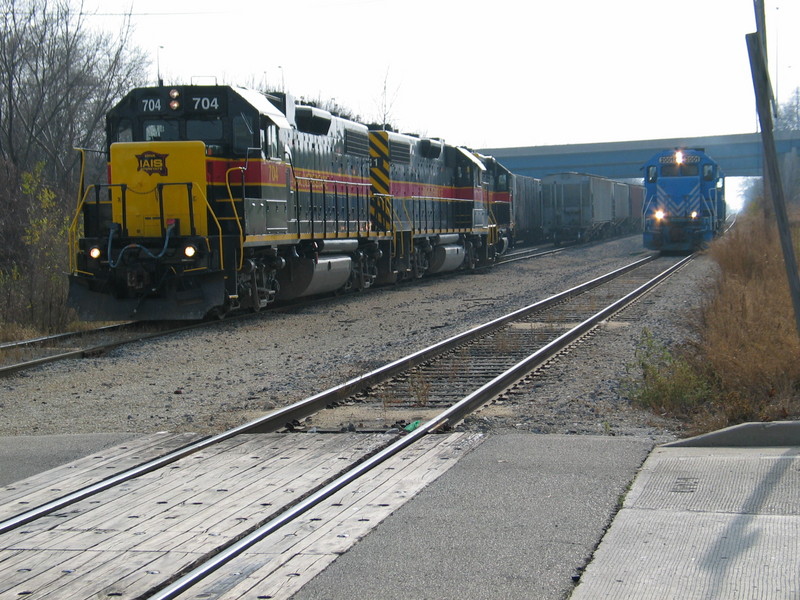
[(212, 379)]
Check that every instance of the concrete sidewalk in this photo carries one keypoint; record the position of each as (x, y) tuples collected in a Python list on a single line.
[(716, 517)]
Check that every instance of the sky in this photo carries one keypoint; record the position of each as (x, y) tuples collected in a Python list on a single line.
[(496, 74)]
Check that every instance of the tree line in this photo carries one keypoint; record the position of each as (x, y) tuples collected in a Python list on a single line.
[(58, 77)]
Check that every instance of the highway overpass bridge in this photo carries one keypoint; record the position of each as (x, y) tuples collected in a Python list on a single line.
[(739, 155)]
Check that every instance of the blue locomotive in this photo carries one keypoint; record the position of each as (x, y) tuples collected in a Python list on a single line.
[(684, 206)]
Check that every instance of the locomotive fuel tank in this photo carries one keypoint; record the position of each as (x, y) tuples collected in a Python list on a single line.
[(446, 257), (309, 276)]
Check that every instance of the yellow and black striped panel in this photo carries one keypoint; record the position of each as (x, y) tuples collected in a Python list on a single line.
[(380, 208)]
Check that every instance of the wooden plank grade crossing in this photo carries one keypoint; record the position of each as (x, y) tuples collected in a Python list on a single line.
[(39, 489), (163, 521), (283, 562), (123, 541)]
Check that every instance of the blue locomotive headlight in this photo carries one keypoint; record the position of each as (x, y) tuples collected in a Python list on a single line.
[(660, 214), (95, 252), (694, 214)]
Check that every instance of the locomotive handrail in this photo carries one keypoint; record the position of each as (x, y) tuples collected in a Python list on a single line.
[(73, 227), (72, 232), (235, 212), (82, 175), (219, 226), (323, 182), (160, 197)]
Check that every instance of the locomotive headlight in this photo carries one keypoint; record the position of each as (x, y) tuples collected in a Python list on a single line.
[(660, 215), (174, 103), (679, 157), (694, 214), (95, 252), (190, 251)]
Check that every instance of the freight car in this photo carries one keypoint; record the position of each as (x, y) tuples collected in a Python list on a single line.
[(685, 200), (515, 203), (579, 207), (526, 193), (221, 198)]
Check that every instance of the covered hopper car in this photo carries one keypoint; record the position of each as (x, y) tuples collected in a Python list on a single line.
[(579, 207)]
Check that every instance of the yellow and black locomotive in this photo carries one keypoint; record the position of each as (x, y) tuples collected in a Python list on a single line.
[(220, 198)]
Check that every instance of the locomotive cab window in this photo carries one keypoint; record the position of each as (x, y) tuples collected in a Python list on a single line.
[(207, 130), (682, 170), (690, 170), (652, 174), (269, 134), (161, 130), (242, 134), (670, 171), (708, 172), (124, 131), (502, 183), (464, 176)]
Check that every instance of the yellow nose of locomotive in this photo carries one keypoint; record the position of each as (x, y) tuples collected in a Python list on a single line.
[(164, 182)]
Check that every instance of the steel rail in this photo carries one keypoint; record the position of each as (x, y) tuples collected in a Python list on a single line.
[(279, 418), (523, 255), (61, 336), (448, 417), (93, 350)]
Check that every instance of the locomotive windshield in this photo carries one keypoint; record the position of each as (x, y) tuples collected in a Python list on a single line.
[(161, 130), (679, 170), (166, 130), (210, 130), (205, 130)]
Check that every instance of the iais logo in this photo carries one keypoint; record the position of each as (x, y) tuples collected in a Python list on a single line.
[(152, 163)]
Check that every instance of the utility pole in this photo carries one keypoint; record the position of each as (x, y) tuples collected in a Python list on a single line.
[(765, 104)]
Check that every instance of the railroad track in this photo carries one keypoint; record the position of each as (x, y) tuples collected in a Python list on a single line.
[(21, 355), (26, 354), (197, 517), (526, 253)]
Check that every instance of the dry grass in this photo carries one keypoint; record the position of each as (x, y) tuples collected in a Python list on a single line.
[(419, 388), (745, 365)]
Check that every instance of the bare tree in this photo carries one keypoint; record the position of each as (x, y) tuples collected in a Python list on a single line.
[(386, 103), (58, 78)]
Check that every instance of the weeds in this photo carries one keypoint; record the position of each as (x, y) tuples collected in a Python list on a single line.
[(419, 387), (670, 383), (745, 364)]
